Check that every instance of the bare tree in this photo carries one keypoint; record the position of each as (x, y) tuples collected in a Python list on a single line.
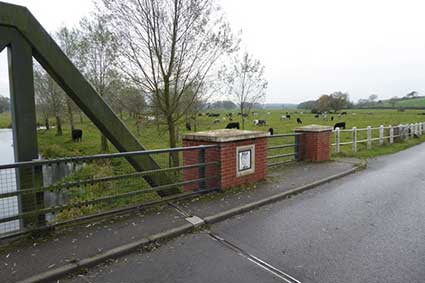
[(99, 51), (49, 98), (70, 42), (168, 46), (245, 83)]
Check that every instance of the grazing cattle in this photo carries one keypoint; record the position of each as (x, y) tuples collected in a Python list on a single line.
[(254, 113), (340, 125), (259, 122), (234, 125), (188, 126), (288, 116), (216, 121), (77, 135), (271, 132), (343, 113), (151, 118), (283, 117), (316, 116), (299, 121), (332, 118)]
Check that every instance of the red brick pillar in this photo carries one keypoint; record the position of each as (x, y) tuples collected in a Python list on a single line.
[(314, 143), (242, 156)]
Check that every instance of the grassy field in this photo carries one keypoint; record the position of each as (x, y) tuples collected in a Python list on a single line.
[(153, 138)]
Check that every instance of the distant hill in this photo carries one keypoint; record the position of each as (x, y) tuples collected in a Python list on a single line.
[(418, 102), (280, 106)]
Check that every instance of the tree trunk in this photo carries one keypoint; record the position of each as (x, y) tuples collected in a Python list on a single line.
[(70, 115), (243, 118), (174, 156), (46, 123), (58, 126), (81, 117)]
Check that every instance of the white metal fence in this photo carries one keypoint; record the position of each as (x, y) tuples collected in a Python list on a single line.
[(381, 135)]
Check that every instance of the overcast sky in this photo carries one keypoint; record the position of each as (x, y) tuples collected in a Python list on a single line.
[(309, 47)]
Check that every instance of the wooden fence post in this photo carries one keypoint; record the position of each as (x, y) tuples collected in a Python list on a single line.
[(354, 146), (412, 130), (369, 137), (391, 134), (337, 140), (381, 135)]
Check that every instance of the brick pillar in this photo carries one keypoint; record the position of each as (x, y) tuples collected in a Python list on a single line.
[(229, 143), (315, 143)]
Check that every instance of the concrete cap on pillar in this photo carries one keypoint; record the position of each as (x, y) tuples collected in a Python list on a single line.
[(224, 135), (314, 128)]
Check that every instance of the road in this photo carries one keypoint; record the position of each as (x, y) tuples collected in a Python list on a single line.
[(367, 227)]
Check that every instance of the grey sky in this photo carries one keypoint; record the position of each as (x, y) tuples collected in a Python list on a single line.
[(310, 47)]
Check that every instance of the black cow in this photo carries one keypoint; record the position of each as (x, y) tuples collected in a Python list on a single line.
[(343, 113), (271, 131), (261, 123), (332, 118), (288, 116), (77, 135), (316, 116), (234, 125), (299, 121), (188, 126), (340, 125)]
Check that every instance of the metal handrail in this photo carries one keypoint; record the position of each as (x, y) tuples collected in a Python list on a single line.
[(80, 159)]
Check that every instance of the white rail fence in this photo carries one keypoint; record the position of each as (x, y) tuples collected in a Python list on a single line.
[(388, 134)]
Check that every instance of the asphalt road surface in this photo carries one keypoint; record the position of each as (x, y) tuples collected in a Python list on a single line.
[(367, 227)]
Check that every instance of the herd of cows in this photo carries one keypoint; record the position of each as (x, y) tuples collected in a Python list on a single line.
[(77, 134), (263, 122)]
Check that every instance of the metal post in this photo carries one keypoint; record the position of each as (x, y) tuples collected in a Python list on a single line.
[(391, 134), (24, 126), (381, 135), (405, 131), (369, 137), (354, 145), (337, 140), (201, 169)]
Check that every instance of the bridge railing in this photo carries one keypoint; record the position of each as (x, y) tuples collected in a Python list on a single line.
[(375, 136), (282, 148), (42, 194)]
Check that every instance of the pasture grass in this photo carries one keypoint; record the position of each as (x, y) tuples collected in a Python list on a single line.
[(153, 136)]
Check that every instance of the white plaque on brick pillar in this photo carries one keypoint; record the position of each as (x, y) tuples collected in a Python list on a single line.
[(245, 163)]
